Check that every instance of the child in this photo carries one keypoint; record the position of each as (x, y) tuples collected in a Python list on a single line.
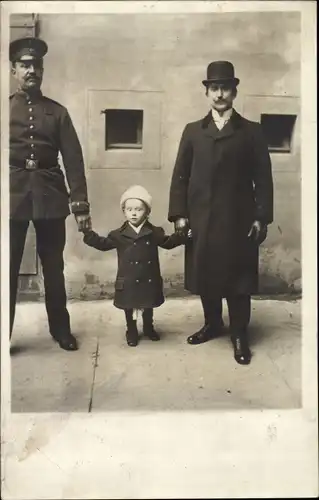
[(139, 285)]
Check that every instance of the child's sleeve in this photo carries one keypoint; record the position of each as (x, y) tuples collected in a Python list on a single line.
[(92, 239), (170, 241)]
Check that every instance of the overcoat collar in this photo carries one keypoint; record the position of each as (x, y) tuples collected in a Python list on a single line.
[(210, 129), (128, 231)]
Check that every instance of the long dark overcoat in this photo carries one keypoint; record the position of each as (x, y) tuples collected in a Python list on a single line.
[(222, 182), (138, 282)]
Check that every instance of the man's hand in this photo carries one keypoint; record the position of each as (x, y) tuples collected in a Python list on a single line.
[(258, 232), (84, 223), (181, 226)]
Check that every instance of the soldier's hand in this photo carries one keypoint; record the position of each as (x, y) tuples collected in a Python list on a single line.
[(84, 223), (258, 232), (181, 226)]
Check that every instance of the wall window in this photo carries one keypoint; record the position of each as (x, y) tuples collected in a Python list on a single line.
[(278, 130), (123, 128)]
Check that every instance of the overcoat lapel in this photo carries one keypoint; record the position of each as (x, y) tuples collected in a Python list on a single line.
[(146, 230), (210, 129), (128, 232)]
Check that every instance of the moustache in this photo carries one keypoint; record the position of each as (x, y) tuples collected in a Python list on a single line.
[(31, 77)]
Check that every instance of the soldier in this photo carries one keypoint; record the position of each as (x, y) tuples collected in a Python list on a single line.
[(222, 187), (40, 128)]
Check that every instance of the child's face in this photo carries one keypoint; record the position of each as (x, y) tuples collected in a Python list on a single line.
[(135, 211)]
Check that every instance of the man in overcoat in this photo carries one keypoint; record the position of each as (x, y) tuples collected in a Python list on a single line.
[(222, 189), (40, 128)]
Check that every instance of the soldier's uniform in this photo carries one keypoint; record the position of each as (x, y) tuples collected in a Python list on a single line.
[(40, 128)]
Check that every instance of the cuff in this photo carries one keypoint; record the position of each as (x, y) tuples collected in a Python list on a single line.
[(80, 207)]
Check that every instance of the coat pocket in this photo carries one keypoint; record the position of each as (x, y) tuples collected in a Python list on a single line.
[(119, 284)]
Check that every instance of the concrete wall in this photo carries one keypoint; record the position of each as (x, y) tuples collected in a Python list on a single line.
[(169, 54)]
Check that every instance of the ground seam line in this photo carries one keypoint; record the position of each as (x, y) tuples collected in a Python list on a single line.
[(96, 355)]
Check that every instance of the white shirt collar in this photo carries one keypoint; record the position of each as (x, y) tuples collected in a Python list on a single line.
[(222, 119), (137, 228)]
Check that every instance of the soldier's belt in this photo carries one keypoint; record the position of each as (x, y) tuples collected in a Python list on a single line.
[(29, 164)]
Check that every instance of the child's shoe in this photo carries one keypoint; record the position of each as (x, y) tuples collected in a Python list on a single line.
[(132, 334), (149, 331), (148, 328)]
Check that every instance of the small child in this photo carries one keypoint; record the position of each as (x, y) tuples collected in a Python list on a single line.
[(139, 285)]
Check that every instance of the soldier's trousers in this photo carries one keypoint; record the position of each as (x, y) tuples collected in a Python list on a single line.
[(239, 309), (50, 239)]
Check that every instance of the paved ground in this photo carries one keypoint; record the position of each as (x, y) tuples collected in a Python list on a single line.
[(106, 374)]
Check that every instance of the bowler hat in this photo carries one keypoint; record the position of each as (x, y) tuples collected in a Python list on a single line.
[(27, 46), (220, 71), (139, 193)]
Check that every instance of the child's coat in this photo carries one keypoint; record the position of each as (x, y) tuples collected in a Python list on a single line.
[(139, 284)]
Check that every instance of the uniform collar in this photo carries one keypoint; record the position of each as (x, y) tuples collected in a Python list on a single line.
[(32, 96)]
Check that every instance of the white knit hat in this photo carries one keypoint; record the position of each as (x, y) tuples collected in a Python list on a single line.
[(139, 193)]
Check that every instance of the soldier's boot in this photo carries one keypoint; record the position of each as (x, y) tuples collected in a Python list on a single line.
[(148, 327), (131, 332), (68, 342)]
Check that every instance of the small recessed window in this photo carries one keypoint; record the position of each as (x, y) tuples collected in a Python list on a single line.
[(278, 130), (123, 128)]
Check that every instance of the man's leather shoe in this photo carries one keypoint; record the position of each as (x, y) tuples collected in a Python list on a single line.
[(68, 343), (207, 332), (242, 352)]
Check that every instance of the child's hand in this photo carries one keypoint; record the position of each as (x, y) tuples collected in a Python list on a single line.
[(189, 233)]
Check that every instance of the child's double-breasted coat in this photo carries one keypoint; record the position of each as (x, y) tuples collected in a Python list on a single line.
[(138, 282)]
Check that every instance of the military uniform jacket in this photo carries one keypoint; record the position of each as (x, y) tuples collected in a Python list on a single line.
[(138, 282), (222, 182), (40, 128)]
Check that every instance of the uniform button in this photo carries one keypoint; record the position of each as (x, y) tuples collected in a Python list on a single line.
[(32, 155), (136, 262), (149, 280), (31, 136), (31, 126), (30, 117), (149, 262), (32, 145), (147, 243), (30, 109), (29, 102), (137, 281), (134, 243)]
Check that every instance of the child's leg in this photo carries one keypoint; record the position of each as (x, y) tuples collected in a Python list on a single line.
[(131, 332), (148, 327)]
